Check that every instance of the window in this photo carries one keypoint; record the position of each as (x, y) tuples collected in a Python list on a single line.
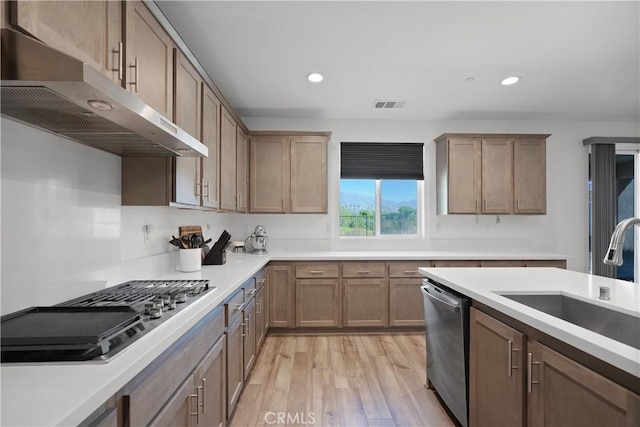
[(380, 189)]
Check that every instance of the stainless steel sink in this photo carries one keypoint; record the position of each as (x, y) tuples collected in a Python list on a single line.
[(610, 323)]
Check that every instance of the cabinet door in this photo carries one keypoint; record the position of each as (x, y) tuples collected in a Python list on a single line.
[(211, 110), (497, 176), (496, 373), (235, 363), (308, 174), (227, 161), (242, 165), (269, 174), (181, 409), (281, 296), (530, 176), (318, 303), (260, 318), (366, 302), (210, 377), (187, 115), (464, 176), (90, 31), (405, 302), (249, 337), (149, 56), (562, 392)]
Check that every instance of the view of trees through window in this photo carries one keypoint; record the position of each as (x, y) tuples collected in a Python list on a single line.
[(397, 201)]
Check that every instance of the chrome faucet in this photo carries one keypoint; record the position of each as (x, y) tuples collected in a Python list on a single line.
[(614, 253)]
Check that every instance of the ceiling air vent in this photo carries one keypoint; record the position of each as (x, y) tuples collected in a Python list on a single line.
[(388, 104)]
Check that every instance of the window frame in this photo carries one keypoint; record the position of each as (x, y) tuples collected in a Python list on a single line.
[(420, 214)]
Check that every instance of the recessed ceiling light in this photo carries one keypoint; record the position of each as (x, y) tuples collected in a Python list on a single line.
[(315, 77), (510, 80)]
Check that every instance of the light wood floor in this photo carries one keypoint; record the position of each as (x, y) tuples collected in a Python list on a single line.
[(340, 380)]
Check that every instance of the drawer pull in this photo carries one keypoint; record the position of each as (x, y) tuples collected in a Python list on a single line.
[(410, 272), (252, 292), (316, 271), (262, 281), (364, 272), (239, 307)]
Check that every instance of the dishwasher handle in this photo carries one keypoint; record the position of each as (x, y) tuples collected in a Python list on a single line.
[(442, 298)]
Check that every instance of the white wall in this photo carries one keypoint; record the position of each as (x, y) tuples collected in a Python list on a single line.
[(563, 230), (65, 234)]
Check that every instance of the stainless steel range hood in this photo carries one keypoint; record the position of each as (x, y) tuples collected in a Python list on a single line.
[(45, 88)]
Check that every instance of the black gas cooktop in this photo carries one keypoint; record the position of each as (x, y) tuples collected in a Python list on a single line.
[(95, 326)]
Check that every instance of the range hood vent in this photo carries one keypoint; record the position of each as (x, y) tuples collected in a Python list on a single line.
[(48, 89)]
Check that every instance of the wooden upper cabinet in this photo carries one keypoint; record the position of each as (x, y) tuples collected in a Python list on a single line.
[(459, 174), (149, 58), (529, 176), (269, 174), (491, 174), (90, 31), (309, 174), (242, 169), (228, 133), (211, 111), (288, 172), (497, 176), (187, 115)]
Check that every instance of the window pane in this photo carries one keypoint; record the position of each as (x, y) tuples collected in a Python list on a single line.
[(357, 207), (398, 207), (626, 202)]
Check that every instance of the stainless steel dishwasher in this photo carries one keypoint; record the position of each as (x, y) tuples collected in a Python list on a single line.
[(447, 332)]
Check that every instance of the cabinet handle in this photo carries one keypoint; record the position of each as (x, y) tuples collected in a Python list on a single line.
[(191, 412), (485, 205), (239, 307), (206, 185), (252, 292), (262, 281), (518, 204), (316, 271), (410, 272), (257, 307), (477, 208), (530, 381), (198, 189), (510, 357), (137, 73), (364, 272), (202, 387), (120, 61)]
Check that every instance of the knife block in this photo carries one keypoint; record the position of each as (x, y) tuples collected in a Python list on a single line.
[(215, 258)]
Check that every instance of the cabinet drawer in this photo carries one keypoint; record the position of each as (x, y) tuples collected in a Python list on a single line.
[(234, 306), (147, 393), (317, 270), (456, 263), (364, 269), (250, 289), (501, 263), (559, 263), (407, 269)]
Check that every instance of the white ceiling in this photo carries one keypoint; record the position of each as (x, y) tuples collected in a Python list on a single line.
[(578, 60)]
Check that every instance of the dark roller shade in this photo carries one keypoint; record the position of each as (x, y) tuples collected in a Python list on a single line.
[(372, 160)]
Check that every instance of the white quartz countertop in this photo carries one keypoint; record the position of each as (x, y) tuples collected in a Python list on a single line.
[(486, 285), (67, 393)]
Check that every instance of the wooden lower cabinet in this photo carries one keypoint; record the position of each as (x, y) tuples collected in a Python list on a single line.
[(365, 302), (496, 374), (560, 263), (566, 393), (406, 307), (281, 296), (179, 409), (235, 363), (514, 381), (211, 386), (318, 303), (249, 337)]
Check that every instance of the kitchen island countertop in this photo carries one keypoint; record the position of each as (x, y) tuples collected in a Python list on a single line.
[(486, 285), (66, 393)]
